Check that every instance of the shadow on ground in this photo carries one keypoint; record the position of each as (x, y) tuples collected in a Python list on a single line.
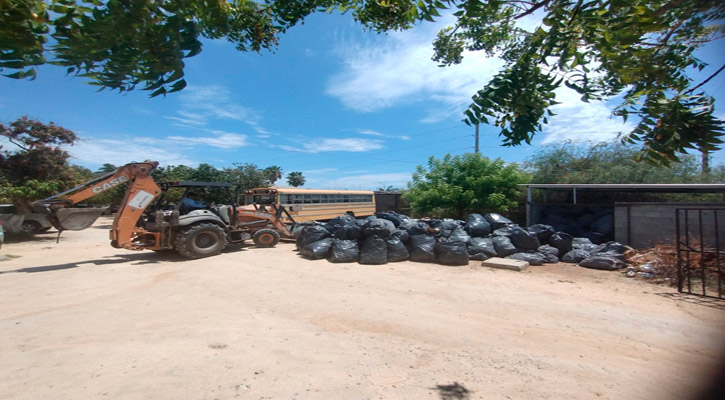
[(107, 226), (711, 302), (454, 391), (135, 259)]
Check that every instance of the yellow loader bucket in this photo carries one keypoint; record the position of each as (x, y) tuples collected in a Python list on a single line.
[(77, 219)]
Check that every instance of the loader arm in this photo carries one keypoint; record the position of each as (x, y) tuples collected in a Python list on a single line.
[(142, 190), (258, 216)]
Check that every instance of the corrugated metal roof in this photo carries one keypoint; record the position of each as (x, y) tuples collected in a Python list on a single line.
[(633, 187)]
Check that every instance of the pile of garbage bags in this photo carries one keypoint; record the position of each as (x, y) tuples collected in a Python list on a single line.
[(391, 237)]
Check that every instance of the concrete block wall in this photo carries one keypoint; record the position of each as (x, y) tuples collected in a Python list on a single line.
[(641, 225)]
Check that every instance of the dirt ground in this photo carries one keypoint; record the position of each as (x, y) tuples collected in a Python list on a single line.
[(82, 320)]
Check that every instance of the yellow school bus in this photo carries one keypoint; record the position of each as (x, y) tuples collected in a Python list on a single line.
[(314, 204)]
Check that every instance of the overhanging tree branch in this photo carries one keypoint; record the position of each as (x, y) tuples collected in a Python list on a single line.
[(533, 9)]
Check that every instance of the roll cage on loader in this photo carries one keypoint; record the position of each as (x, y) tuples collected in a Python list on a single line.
[(194, 234)]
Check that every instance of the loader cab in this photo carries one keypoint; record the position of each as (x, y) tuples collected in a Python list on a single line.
[(217, 197)]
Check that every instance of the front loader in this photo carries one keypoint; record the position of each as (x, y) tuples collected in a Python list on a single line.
[(150, 218)]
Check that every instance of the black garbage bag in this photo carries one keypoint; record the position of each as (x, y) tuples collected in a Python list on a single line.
[(422, 248), (374, 250), (312, 233), (506, 230), (459, 235), (524, 239), (381, 228), (393, 217), (405, 225), (479, 257), (402, 235), (562, 241), (349, 231), (344, 251), (339, 221), (602, 262), (497, 220), (551, 254), (610, 254), (297, 229), (432, 222), (396, 250), (614, 247), (575, 256), (317, 250), (543, 232), (419, 228), (534, 258), (503, 246), (481, 246), (449, 252), (582, 243), (445, 226), (477, 226)]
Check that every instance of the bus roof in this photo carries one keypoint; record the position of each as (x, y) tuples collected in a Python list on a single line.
[(285, 190)]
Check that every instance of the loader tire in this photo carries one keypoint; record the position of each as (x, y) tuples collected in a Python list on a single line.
[(202, 240), (265, 238)]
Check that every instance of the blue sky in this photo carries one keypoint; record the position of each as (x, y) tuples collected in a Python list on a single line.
[(349, 109)]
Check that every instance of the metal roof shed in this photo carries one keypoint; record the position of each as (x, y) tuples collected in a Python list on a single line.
[(576, 188)]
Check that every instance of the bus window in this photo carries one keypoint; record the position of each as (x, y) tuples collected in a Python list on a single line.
[(315, 198), (308, 199), (265, 199)]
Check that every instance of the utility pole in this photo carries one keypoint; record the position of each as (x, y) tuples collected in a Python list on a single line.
[(705, 161), (476, 148)]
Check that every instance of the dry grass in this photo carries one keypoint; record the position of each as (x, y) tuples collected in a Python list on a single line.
[(660, 262)]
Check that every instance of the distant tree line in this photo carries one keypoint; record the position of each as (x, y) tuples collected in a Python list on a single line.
[(36, 166)]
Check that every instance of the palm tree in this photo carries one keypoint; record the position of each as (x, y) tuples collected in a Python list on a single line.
[(272, 174), (106, 168), (295, 179)]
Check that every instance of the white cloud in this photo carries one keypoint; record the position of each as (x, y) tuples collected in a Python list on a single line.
[(169, 150), (219, 139), (320, 171), (332, 144), (578, 121), (361, 182), (94, 151), (370, 132), (186, 121), (398, 71), (201, 105)]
